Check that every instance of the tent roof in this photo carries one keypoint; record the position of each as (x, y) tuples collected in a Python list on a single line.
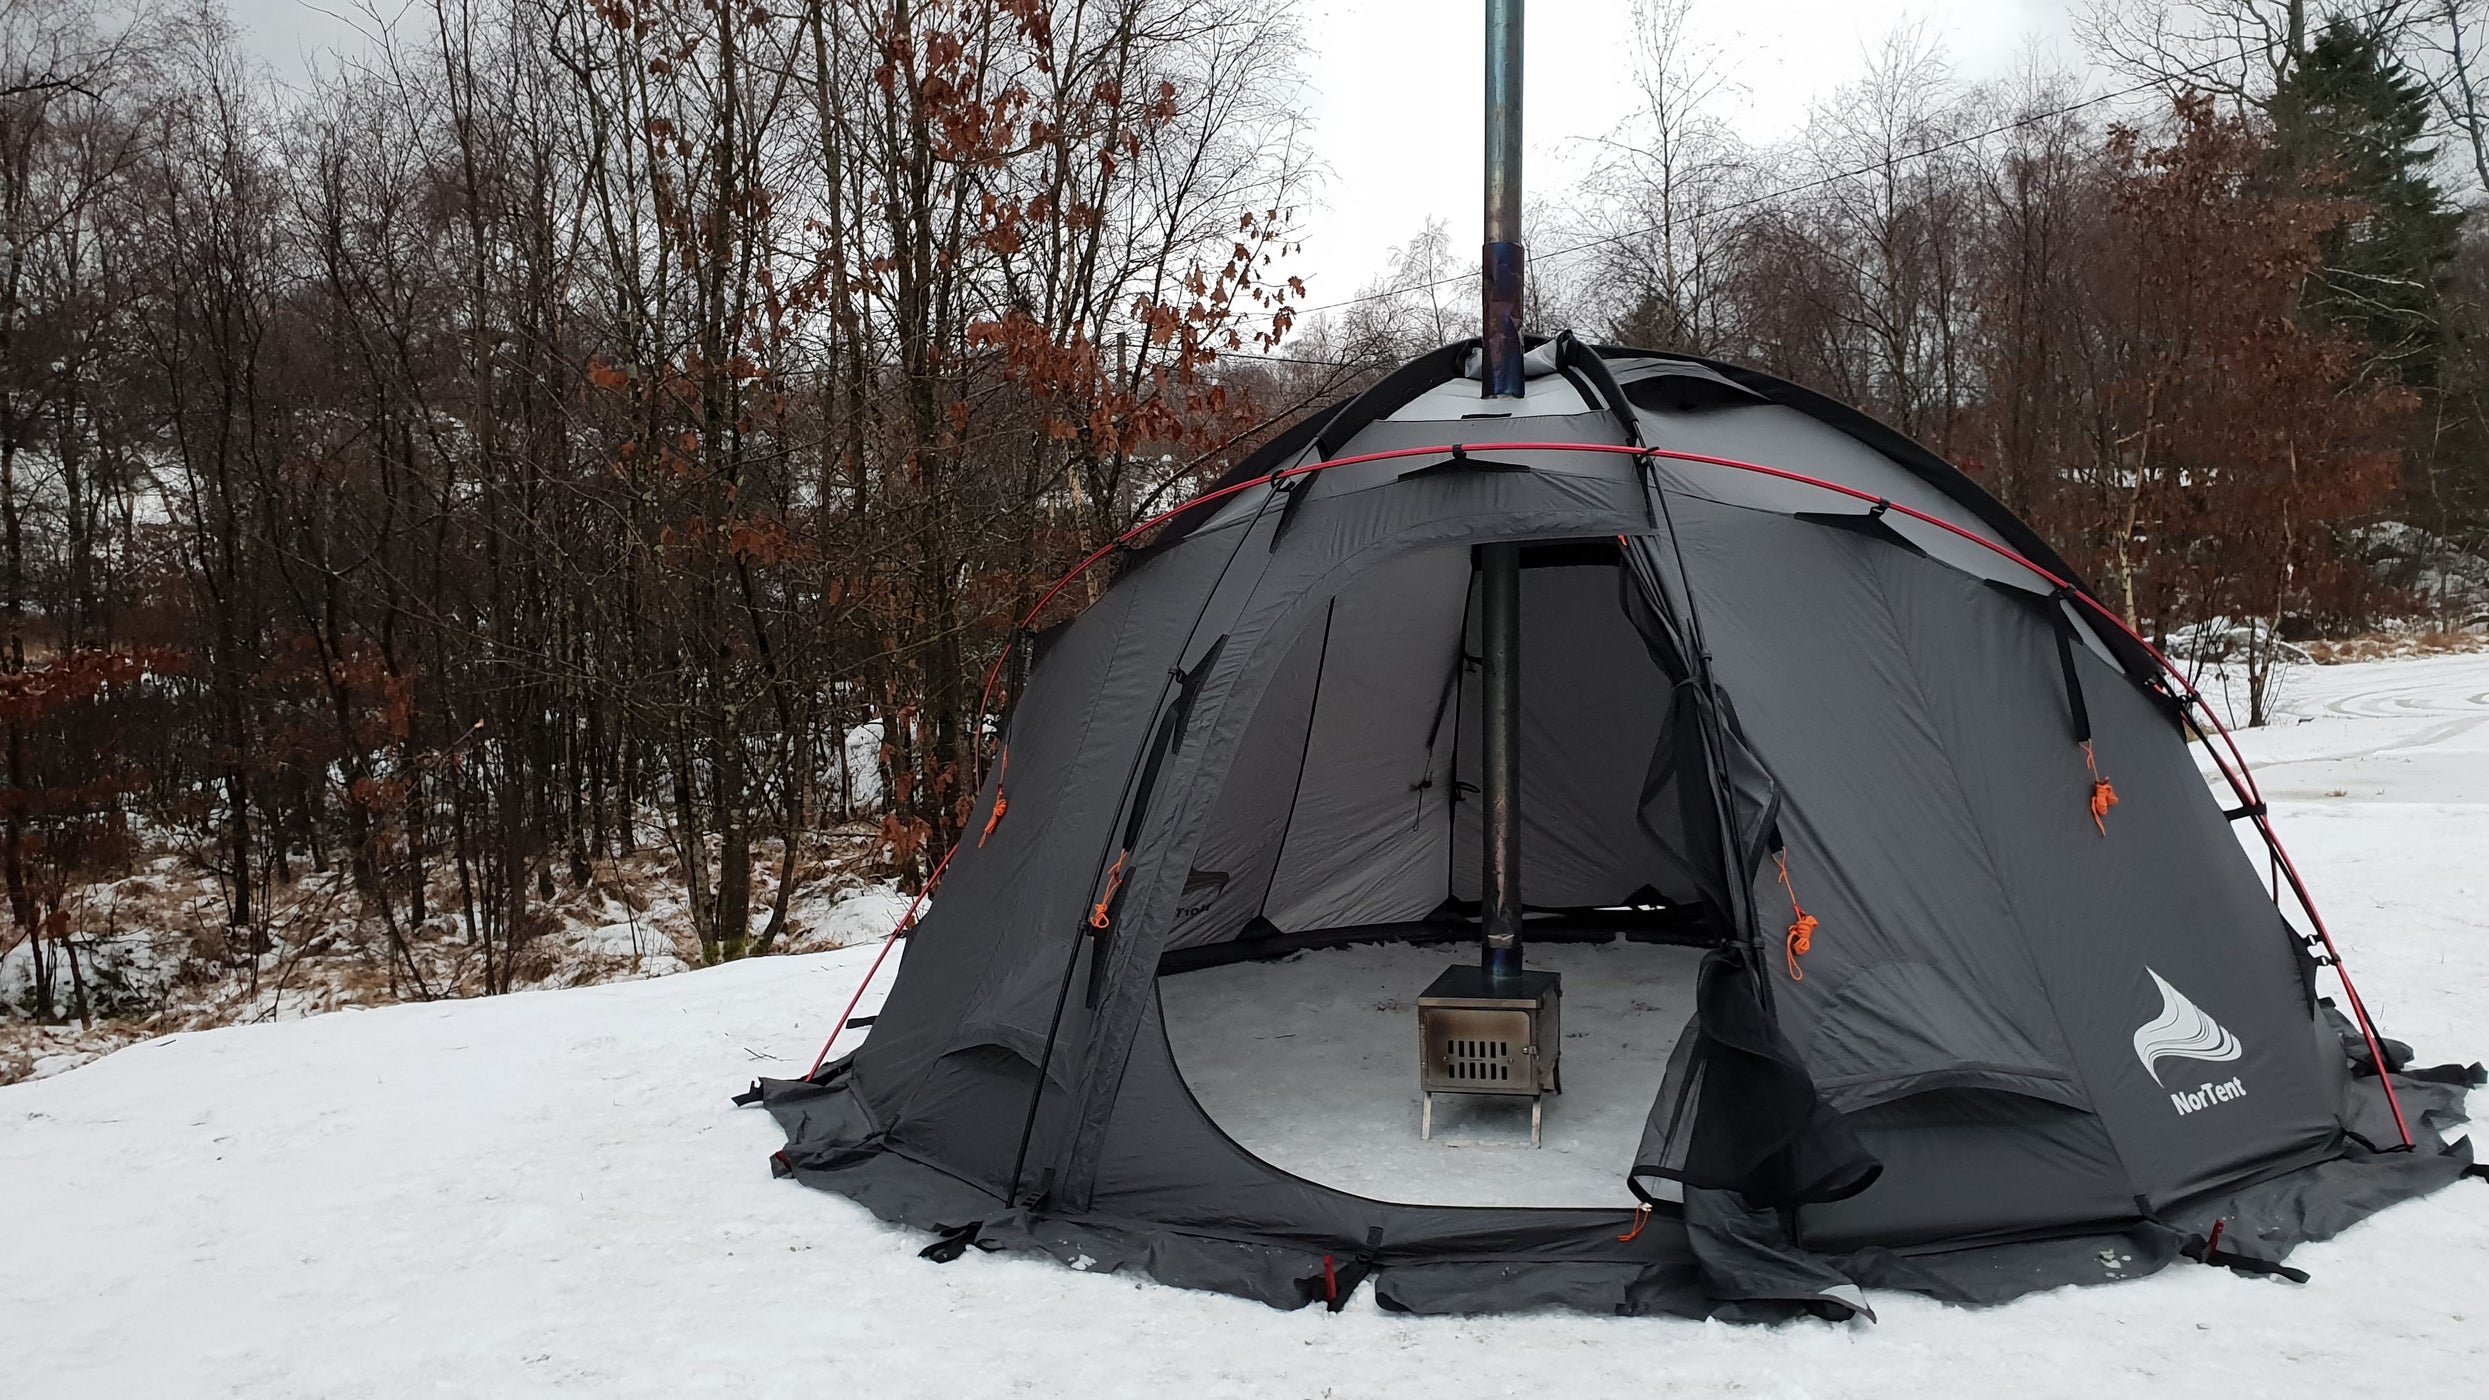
[(1647, 378)]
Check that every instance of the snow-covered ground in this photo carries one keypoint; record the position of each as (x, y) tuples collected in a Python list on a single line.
[(1336, 1029), (547, 1193)]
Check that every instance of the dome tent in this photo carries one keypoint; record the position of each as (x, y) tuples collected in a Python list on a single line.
[(1773, 651)]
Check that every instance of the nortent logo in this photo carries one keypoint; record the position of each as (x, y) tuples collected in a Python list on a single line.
[(2183, 1032), (2205, 1095)]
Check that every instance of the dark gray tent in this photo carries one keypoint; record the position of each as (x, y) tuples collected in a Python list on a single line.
[(2032, 1043)]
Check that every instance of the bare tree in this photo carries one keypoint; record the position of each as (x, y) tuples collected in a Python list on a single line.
[(1659, 204)]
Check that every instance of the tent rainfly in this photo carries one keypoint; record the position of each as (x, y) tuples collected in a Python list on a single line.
[(1971, 1021)]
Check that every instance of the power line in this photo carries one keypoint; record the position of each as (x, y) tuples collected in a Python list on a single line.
[(1802, 187)]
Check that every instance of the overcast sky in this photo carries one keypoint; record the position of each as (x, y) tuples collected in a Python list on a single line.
[(1396, 90), (1398, 103)]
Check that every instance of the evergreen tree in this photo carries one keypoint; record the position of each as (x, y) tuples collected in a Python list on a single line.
[(2348, 117)]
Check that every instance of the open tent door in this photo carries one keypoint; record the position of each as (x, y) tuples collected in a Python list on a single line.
[(1347, 838)]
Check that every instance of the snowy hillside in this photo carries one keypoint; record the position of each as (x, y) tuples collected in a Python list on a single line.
[(549, 1193)]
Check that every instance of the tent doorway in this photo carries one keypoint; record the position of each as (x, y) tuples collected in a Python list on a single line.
[(1310, 1063), (1339, 873)]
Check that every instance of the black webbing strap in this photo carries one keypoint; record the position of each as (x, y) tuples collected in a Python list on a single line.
[(1188, 688), (1443, 700), (2203, 1253), (1039, 1194), (2063, 626), (749, 1096), (2206, 1249), (2245, 809), (2365, 1145), (1295, 488), (1338, 1281), (954, 1242)]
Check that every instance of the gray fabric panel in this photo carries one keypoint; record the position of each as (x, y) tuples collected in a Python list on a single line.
[(2166, 890), (1746, 1256), (1236, 865), (1884, 849), (1669, 1289), (1938, 814), (1242, 507), (977, 990), (1387, 436), (1367, 840), (1481, 435), (1906, 1013), (1458, 401), (1986, 1275), (1963, 1164), (1592, 704), (1075, 720), (1366, 843), (1773, 436), (1632, 369)]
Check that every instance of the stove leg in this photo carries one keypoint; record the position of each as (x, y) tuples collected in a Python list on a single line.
[(1426, 1121), (1537, 1104)]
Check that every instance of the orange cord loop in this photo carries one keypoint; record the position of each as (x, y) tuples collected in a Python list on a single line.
[(1002, 804), (1098, 917), (1802, 929), (1641, 1217), (2103, 796)]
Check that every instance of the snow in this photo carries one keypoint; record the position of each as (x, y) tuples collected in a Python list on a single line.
[(1338, 1028), (844, 917), (864, 766), (548, 1194)]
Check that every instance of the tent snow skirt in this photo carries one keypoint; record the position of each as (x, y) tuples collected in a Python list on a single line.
[(2024, 1047)]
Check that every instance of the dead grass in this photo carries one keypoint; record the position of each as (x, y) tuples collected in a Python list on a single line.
[(2382, 646), (325, 949)]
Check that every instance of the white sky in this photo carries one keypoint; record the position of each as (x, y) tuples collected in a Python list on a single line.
[(1396, 95), (1398, 100)]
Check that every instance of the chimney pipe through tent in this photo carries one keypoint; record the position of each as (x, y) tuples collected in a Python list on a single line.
[(1495, 1028), (1499, 565)]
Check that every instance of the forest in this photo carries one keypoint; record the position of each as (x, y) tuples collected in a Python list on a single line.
[(583, 431)]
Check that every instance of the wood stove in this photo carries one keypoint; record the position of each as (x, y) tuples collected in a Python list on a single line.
[(1481, 1034)]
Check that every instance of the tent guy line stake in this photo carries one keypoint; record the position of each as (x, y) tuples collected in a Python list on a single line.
[(2241, 780)]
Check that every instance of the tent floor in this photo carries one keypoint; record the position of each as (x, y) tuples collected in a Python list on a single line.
[(1310, 1063)]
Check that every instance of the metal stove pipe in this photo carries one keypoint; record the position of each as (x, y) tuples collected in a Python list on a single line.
[(1500, 375), (1499, 565), (1499, 722)]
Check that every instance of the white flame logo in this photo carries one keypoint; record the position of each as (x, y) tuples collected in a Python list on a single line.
[(2181, 1031)]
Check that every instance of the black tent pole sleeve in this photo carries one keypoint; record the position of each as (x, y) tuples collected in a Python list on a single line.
[(1572, 354), (1296, 791), (2063, 627), (1045, 1066), (1709, 713)]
